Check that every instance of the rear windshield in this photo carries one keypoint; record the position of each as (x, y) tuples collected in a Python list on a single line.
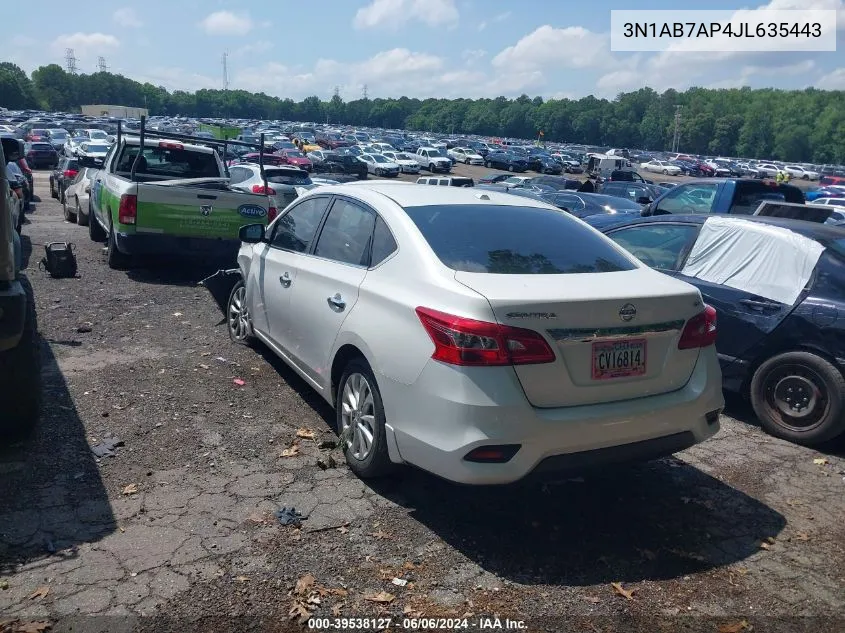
[(462, 182), (42, 146), (514, 240), (750, 194), (286, 178), (168, 163)]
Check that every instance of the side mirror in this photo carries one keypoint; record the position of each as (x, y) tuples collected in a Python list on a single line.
[(251, 233), (643, 200)]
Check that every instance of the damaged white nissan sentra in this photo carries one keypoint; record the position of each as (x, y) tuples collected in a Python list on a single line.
[(477, 335)]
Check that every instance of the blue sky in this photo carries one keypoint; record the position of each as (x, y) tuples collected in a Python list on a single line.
[(418, 48)]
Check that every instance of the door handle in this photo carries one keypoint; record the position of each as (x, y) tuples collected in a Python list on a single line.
[(285, 280), (769, 306), (337, 302)]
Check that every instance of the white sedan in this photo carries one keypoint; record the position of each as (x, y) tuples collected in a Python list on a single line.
[(795, 171), (77, 194), (93, 150), (407, 162), (536, 345), (465, 156), (380, 165), (661, 167)]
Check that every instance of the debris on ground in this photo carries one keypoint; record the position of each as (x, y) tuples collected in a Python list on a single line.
[(734, 627), (327, 445), (84, 328), (382, 597), (305, 434), (130, 489), (18, 626), (289, 516), (620, 590), (239, 382), (41, 592), (292, 450), (106, 447), (399, 582), (821, 461)]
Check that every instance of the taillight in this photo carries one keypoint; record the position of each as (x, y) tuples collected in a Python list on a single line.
[(460, 341), (700, 330), (69, 173), (128, 209), (268, 191), (170, 145), (272, 213)]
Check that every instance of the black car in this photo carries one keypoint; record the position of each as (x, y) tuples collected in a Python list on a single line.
[(62, 176), (41, 154), (480, 148), (557, 182), (492, 179), (544, 164), (625, 175), (506, 160), (638, 192), (778, 287), (345, 163)]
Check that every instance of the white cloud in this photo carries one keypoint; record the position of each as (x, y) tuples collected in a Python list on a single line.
[(393, 14), (127, 17), (255, 48), (227, 23), (474, 55), (832, 81), (497, 18), (570, 47)]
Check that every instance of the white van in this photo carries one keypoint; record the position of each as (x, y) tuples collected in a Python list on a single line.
[(604, 164)]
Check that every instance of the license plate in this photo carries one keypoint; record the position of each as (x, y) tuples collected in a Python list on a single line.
[(619, 359)]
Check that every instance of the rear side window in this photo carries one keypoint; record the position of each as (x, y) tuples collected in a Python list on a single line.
[(661, 246), (295, 230), (514, 240), (383, 243), (749, 195)]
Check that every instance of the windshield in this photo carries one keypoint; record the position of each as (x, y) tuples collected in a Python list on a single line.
[(59, 134), (434, 153), (511, 240), (380, 159), (295, 154), (97, 134), (97, 148)]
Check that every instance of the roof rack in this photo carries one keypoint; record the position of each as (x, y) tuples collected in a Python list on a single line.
[(143, 133)]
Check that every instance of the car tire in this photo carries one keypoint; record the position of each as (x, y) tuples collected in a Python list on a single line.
[(510, 168), (487, 165), (95, 230), (466, 162), (53, 193), (357, 421), (815, 382), (66, 212), (116, 259), (665, 172), (238, 321), (805, 177), (81, 218), (20, 376), (431, 167)]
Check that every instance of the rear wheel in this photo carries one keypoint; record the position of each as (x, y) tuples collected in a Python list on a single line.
[(238, 321), (95, 229), (431, 167), (800, 397), (70, 216), (52, 190), (510, 167), (81, 218), (360, 421), (116, 259), (665, 172)]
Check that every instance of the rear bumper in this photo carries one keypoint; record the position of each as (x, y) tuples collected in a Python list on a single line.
[(157, 244), (451, 411)]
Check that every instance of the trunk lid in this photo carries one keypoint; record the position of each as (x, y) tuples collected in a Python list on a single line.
[(615, 335), (187, 209)]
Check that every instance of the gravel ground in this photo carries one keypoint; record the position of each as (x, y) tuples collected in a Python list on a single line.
[(176, 531)]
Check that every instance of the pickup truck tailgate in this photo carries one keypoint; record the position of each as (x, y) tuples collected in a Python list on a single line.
[(197, 209)]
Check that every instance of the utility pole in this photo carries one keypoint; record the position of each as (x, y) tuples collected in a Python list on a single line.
[(677, 137), (70, 61), (225, 71), (101, 65)]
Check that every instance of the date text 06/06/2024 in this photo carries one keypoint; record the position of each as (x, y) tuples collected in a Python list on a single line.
[(415, 624), (713, 29)]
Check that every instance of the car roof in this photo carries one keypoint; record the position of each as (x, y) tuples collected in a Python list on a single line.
[(813, 230), (407, 194)]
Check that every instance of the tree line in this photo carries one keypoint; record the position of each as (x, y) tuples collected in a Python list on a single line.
[(791, 125)]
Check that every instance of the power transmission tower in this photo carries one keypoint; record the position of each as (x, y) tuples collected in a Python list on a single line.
[(101, 65), (677, 137), (225, 71), (364, 92), (336, 91), (70, 61)]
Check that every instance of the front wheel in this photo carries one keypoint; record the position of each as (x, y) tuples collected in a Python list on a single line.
[(800, 397), (81, 218), (69, 216), (665, 172), (431, 167), (510, 167), (238, 321), (95, 229), (361, 420)]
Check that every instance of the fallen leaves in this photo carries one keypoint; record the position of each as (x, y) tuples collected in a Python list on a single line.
[(802, 536), (291, 451), (765, 545), (343, 529), (305, 434), (821, 461), (130, 489), (336, 609), (241, 578), (628, 594), (16, 626), (734, 627), (304, 584), (380, 535), (411, 612), (382, 597), (592, 599), (408, 565), (41, 592)]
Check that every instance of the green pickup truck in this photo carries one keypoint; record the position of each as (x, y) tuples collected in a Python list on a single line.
[(159, 194)]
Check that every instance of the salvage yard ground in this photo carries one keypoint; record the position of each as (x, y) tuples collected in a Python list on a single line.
[(179, 524)]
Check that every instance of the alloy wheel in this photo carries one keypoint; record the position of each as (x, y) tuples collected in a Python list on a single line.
[(239, 315), (358, 416)]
